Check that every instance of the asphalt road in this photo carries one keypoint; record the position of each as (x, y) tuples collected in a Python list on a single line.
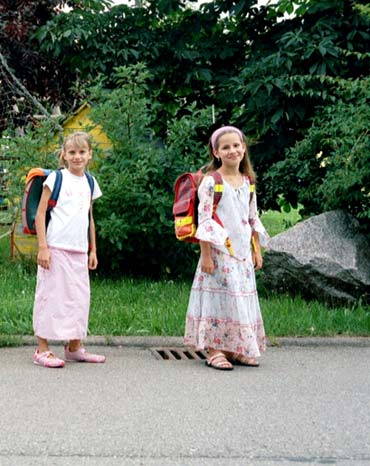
[(305, 405)]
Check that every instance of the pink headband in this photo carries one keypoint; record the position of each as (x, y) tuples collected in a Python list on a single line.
[(224, 129)]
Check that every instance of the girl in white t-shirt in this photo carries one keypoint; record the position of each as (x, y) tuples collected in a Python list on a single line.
[(67, 250)]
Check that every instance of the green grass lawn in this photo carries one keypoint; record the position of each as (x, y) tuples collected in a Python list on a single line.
[(275, 222), (141, 307)]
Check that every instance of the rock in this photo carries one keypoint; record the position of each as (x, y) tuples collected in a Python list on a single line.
[(325, 257)]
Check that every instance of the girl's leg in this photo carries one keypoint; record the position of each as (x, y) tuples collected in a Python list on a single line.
[(74, 345), (42, 344)]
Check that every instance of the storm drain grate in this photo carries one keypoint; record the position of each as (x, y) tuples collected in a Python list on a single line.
[(178, 354)]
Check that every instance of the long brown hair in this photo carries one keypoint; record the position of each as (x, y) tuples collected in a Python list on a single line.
[(245, 166)]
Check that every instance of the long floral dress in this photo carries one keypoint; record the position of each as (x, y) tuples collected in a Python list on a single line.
[(223, 311)]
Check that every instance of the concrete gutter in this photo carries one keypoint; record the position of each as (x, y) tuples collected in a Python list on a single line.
[(160, 341)]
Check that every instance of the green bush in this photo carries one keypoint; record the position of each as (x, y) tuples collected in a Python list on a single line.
[(37, 147), (135, 229), (134, 217), (330, 168)]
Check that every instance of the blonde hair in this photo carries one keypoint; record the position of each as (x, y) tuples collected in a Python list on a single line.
[(78, 139), (245, 166)]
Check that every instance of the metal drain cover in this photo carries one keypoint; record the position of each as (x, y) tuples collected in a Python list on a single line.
[(178, 354)]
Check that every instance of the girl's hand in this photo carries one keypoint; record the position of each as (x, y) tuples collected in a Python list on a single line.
[(207, 265), (43, 258), (257, 260), (93, 260)]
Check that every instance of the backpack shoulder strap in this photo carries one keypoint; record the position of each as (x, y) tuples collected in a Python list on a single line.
[(54, 195), (218, 189), (90, 180), (56, 189)]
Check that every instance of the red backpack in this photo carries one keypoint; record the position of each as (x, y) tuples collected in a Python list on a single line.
[(185, 206)]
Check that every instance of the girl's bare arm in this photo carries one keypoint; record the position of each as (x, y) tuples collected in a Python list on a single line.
[(43, 256), (206, 261), (256, 251), (93, 260)]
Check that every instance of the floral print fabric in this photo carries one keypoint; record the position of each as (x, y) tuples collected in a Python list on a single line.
[(238, 215), (223, 311)]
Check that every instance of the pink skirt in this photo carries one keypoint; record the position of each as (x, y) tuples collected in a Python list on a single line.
[(62, 298)]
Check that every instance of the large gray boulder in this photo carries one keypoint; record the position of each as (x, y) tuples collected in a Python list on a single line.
[(325, 257)]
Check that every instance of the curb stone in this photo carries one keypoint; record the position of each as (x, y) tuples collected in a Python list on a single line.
[(155, 341)]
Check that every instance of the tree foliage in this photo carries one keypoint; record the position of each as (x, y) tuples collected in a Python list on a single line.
[(19, 19), (42, 75), (257, 66), (291, 73), (328, 168), (287, 73)]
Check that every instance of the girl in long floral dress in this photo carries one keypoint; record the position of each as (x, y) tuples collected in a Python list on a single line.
[(223, 314)]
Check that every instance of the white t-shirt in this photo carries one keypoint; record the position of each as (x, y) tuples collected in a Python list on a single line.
[(69, 221)]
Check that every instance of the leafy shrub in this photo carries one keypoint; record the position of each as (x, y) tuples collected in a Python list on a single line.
[(134, 217), (330, 168), (37, 147)]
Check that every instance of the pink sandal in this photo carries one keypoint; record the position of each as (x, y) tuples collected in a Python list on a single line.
[(219, 361), (81, 355), (47, 359)]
